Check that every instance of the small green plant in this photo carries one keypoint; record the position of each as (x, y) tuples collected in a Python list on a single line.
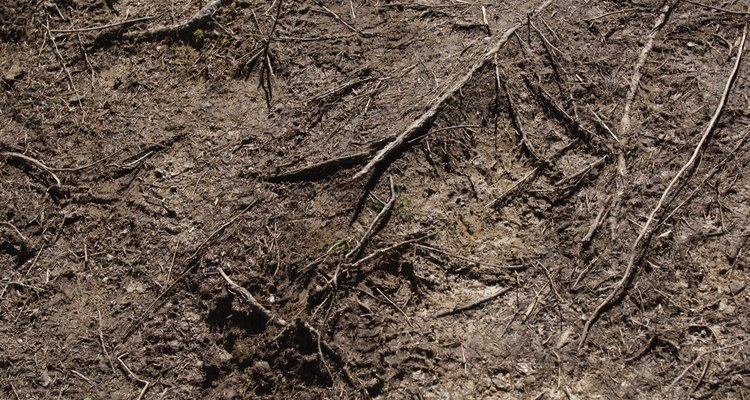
[(198, 35), (337, 244)]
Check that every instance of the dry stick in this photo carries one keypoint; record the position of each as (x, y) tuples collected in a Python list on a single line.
[(515, 120), (512, 189), (626, 10), (374, 224), (597, 222), (456, 256), (635, 79), (473, 305), (580, 174), (190, 24), (101, 27), (633, 258), (101, 341), (380, 252), (625, 123), (724, 10), (273, 319), (133, 376), (698, 358), (33, 161), (65, 67), (428, 117), (708, 176)]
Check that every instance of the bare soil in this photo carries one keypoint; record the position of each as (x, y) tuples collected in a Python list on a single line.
[(567, 219)]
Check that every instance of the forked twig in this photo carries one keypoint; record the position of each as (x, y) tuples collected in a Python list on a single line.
[(633, 259)]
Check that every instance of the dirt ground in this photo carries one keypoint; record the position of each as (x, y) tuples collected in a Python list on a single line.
[(425, 199)]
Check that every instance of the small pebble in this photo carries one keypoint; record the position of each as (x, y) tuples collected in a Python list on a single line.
[(736, 287)]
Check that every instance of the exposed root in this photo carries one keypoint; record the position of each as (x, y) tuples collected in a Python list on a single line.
[(425, 121), (641, 242)]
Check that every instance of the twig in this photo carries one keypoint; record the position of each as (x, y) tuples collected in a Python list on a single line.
[(374, 224), (33, 161), (513, 188), (380, 252), (698, 358), (314, 333), (578, 176), (603, 211), (630, 271), (515, 120), (133, 376), (473, 305), (101, 341), (550, 107), (456, 256), (710, 7), (426, 119), (708, 176), (326, 167), (82, 376), (612, 13), (101, 27), (338, 18), (64, 65), (399, 309), (635, 79), (18, 232), (192, 23), (256, 306)]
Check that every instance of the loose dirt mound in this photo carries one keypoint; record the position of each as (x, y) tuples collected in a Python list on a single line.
[(434, 199)]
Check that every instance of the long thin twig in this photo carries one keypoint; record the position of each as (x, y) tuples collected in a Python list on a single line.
[(374, 224), (134, 377), (698, 358), (102, 27), (710, 7), (33, 161), (474, 304), (426, 119), (633, 259), (469, 260), (192, 23), (64, 65)]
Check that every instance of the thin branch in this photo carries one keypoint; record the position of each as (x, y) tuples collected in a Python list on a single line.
[(192, 23), (474, 304), (374, 224), (102, 27), (631, 269), (426, 119), (33, 161)]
